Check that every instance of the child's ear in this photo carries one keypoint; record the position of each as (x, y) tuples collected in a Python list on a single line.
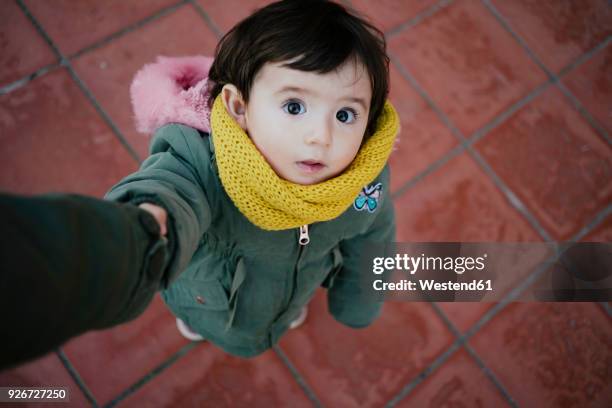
[(234, 104)]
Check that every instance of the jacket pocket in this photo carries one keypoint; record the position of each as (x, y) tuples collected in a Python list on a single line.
[(336, 268), (211, 295), (207, 295), (238, 279)]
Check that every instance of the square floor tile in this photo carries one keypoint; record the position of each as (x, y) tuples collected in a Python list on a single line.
[(75, 25), (459, 382), (469, 65), (388, 14), (550, 354), (459, 203), (423, 138), (46, 371), (110, 361), (108, 71), (554, 161), (22, 49), (591, 83), (52, 140), (558, 31), (226, 14), (365, 367), (208, 377)]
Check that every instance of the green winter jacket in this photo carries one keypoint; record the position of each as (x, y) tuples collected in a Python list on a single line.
[(237, 285)]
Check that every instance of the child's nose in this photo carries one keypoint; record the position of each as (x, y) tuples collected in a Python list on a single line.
[(321, 135)]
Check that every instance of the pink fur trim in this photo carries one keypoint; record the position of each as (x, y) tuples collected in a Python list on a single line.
[(172, 90)]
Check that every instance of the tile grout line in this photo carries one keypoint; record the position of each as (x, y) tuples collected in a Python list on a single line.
[(66, 63), (593, 223), (296, 375), (487, 372), (420, 17), (207, 19), (490, 374), (13, 86), (506, 26), (98, 44), (76, 377), (584, 58), (586, 115), (432, 105), (129, 28), (428, 170), (441, 359), (509, 297), (152, 374), (606, 308), (514, 108), (510, 195), (551, 75)]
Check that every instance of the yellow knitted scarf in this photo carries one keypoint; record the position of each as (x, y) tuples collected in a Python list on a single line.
[(273, 203)]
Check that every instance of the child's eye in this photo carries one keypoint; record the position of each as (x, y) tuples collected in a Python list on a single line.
[(293, 108), (344, 115)]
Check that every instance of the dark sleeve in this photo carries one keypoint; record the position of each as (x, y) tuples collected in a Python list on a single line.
[(349, 298), (69, 264)]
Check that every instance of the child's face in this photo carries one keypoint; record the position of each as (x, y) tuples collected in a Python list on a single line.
[(310, 134)]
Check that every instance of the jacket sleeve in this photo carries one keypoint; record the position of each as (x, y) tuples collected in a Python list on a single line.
[(171, 178), (350, 297)]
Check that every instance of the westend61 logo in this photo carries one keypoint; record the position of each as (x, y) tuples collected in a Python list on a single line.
[(413, 264)]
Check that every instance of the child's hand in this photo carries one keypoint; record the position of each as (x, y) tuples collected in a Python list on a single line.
[(160, 215)]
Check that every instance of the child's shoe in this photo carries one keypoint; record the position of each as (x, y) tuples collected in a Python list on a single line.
[(187, 332), (300, 319)]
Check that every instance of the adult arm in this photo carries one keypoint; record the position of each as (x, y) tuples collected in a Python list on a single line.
[(69, 264)]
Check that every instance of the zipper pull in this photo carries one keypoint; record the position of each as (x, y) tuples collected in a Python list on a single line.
[(304, 238)]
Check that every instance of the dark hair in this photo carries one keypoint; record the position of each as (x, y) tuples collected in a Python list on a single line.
[(318, 35)]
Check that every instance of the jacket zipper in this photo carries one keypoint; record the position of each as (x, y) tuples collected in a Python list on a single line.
[(304, 237), (303, 240)]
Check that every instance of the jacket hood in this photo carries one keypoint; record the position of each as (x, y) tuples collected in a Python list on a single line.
[(172, 90)]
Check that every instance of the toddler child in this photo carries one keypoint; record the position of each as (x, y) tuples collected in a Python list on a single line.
[(268, 172)]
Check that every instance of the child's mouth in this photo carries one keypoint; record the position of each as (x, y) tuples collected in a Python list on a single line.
[(310, 166)]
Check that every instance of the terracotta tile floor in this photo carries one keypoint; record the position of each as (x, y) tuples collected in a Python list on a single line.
[(505, 109)]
